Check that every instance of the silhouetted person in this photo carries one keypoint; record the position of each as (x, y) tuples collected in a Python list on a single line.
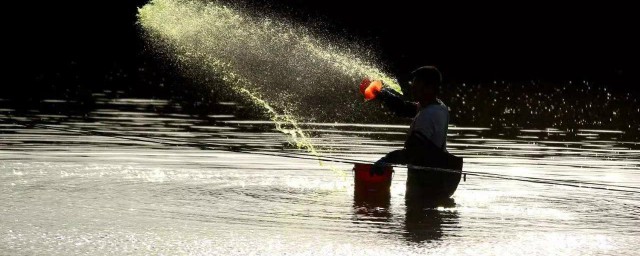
[(427, 137)]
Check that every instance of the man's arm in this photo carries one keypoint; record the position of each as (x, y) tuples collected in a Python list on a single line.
[(399, 156), (416, 150), (394, 102), (393, 157)]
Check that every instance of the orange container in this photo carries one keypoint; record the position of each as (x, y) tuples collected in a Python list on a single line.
[(370, 89), (364, 181)]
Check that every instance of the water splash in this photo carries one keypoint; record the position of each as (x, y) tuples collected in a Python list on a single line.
[(290, 73)]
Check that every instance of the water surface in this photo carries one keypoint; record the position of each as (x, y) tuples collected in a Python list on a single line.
[(150, 189)]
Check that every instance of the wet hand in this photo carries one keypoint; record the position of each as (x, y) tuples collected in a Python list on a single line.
[(370, 89), (378, 167)]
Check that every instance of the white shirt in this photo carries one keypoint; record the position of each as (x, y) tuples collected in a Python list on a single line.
[(432, 122)]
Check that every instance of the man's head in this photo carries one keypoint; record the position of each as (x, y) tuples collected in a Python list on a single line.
[(425, 83)]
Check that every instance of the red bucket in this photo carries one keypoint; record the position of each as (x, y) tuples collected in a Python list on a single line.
[(365, 181)]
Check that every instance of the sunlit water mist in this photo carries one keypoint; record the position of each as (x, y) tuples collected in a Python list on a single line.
[(290, 73)]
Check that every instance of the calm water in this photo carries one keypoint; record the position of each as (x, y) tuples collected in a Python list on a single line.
[(67, 193)]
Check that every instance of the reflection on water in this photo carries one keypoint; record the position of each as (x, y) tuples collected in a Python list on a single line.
[(373, 207), (423, 220), (145, 189), (424, 223)]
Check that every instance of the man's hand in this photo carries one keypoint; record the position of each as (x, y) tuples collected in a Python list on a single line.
[(378, 167), (370, 89)]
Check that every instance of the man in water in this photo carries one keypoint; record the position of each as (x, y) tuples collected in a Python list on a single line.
[(427, 140)]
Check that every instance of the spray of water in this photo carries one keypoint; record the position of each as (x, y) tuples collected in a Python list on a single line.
[(289, 72)]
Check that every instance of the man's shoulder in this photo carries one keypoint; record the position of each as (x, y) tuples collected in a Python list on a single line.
[(431, 113), (436, 108), (441, 106)]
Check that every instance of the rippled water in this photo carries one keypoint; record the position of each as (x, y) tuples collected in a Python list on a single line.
[(147, 188)]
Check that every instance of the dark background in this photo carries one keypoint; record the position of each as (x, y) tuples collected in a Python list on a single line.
[(75, 47)]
